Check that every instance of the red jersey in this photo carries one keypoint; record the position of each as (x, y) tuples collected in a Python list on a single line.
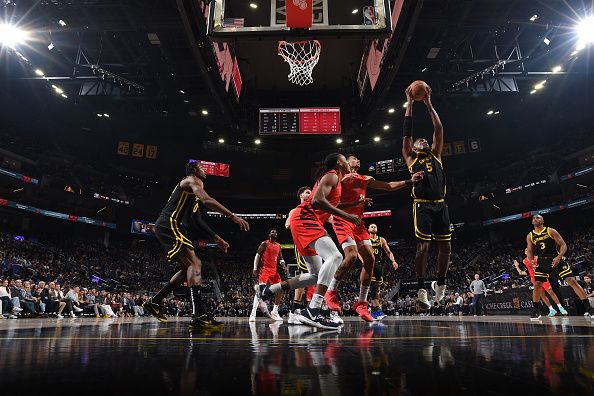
[(333, 198), (354, 188), (529, 267), (270, 256)]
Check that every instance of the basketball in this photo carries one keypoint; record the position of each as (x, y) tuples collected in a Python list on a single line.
[(419, 90)]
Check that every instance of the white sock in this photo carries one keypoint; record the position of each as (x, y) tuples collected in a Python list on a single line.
[(275, 288), (316, 301), (560, 306), (255, 306), (275, 308), (363, 292), (333, 284)]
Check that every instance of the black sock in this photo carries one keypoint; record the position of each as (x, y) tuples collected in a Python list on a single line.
[(441, 280), (196, 299), (421, 283), (164, 292), (296, 305)]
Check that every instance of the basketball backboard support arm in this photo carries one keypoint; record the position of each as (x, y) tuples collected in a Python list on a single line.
[(217, 30)]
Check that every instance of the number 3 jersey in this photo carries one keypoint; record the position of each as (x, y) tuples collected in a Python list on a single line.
[(433, 185)]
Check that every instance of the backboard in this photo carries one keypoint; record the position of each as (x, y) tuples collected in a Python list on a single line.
[(230, 20)]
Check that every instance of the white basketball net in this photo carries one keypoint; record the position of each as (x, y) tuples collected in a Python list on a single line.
[(302, 57)]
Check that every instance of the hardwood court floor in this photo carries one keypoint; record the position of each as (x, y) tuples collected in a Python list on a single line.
[(491, 355)]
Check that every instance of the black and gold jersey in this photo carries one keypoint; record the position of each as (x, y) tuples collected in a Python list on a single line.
[(433, 185), (178, 209), (376, 246), (544, 244)]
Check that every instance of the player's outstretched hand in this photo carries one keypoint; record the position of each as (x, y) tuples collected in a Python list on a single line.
[(221, 243), (356, 220), (409, 97), (427, 99), (395, 265), (243, 225), (418, 176)]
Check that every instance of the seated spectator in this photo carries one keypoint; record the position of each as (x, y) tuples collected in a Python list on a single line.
[(7, 302)]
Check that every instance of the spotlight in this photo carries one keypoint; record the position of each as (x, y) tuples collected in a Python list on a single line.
[(105, 115), (11, 35), (585, 30), (556, 69), (533, 18), (357, 141), (99, 115), (204, 112), (58, 90), (339, 140), (253, 5), (574, 53), (50, 46), (386, 127), (490, 112), (376, 139), (181, 92), (356, 10), (257, 141), (391, 110), (65, 96), (497, 112), (221, 140), (424, 70), (39, 72), (546, 41), (540, 85), (533, 92), (61, 23)]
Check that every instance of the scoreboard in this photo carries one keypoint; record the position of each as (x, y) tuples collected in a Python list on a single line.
[(293, 121), (214, 168)]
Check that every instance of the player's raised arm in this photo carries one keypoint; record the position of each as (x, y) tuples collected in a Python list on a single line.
[(437, 146), (394, 185), (407, 139)]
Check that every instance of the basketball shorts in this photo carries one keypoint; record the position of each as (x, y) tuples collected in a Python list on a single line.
[(269, 276), (345, 229), (545, 285), (378, 273), (305, 228), (545, 269), (431, 221), (173, 240)]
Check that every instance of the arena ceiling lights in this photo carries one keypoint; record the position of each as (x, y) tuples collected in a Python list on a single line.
[(11, 36)]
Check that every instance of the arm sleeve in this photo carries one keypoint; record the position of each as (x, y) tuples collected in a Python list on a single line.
[(408, 126)]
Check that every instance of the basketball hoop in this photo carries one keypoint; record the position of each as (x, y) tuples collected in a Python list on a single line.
[(302, 57)]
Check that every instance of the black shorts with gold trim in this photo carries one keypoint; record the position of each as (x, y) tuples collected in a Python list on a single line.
[(431, 220), (301, 266), (378, 273), (545, 269), (173, 239)]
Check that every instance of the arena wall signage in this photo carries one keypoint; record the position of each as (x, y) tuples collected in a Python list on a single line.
[(552, 209), (21, 177), (138, 150), (56, 215)]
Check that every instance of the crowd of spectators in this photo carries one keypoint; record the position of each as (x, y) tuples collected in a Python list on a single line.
[(84, 278)]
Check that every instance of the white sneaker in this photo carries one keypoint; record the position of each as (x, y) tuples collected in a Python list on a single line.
[(11, 316), (17, 310), (439, 291), (422, 297), (335, 317), (275, 316), (252, 319), (60, 316), (293, 317), (76, 309), (72, 315)]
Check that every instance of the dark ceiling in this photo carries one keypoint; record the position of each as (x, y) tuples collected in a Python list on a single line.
[(116, 36)]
